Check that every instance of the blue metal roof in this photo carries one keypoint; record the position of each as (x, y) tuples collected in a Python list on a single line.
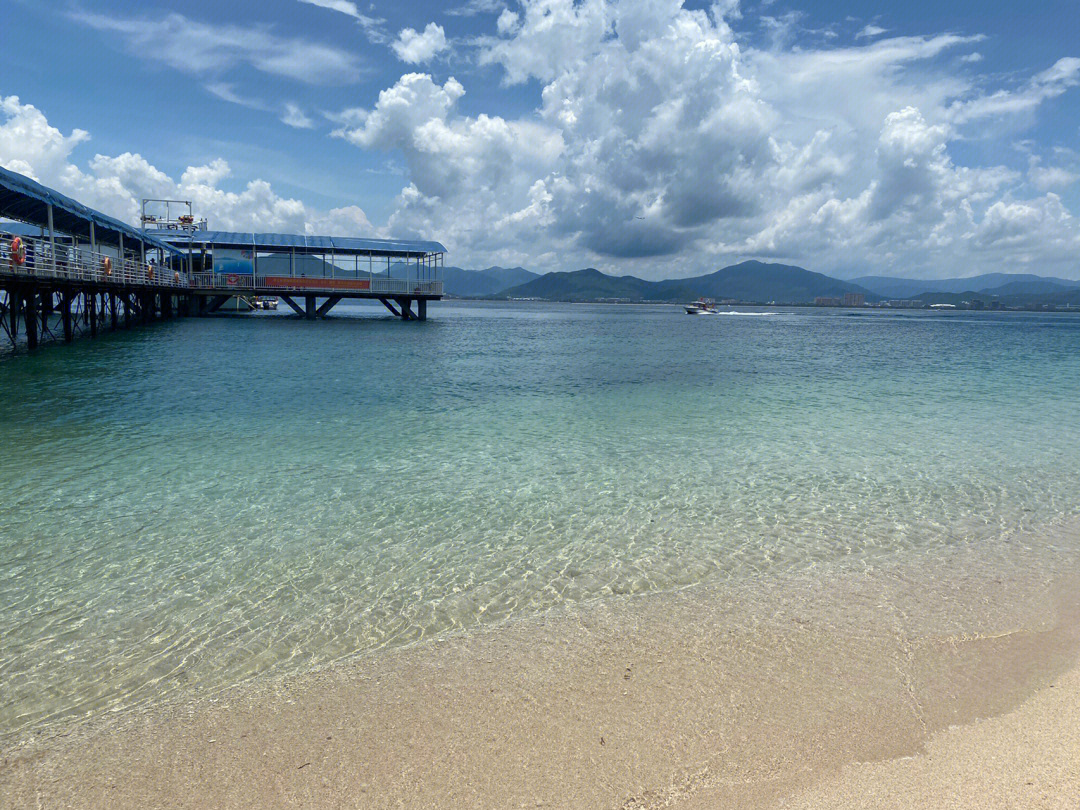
[(27, 200), (306, 244)]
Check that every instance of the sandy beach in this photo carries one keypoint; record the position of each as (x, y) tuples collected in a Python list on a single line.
[(680, 700)]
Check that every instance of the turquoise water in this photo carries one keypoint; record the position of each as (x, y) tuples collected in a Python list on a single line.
[(192, 504)]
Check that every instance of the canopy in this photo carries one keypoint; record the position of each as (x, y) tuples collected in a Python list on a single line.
[(286, 242), (27, 200)]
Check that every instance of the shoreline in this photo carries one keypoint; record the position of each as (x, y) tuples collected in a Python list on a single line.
[(668, 699)]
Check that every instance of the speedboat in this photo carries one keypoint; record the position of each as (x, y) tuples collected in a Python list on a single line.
[(703, 306)]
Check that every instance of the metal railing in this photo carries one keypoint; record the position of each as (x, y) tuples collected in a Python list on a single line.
[(70, 263), (242, 282)]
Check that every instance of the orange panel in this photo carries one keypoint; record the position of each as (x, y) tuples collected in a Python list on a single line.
[(314, 283)]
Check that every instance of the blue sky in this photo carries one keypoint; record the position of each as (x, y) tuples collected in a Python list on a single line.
[(650, 137)]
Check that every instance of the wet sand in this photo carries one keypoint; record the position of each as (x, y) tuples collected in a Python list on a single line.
[(697, 699), (1027, 758)]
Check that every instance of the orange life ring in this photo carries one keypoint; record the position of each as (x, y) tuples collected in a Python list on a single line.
[(107, 264), (18, 252)]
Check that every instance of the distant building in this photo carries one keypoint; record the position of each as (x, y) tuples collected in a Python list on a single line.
[(905, 303), (826, 301), (854, 299)]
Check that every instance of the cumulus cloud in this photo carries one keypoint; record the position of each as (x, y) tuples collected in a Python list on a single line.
[(416, 47), (29, 144), (660, 141), (1048, 178)]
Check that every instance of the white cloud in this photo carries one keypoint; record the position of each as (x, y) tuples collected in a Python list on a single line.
[(1050, 83), (552, 34), (473, 7), (295, 117), (660, 143), (507, 22), (30, 145), (416, 47), (659, 134), (871, 31), (212, 49), (1048, 178), (372, 26), (227, 92), (115, 185)]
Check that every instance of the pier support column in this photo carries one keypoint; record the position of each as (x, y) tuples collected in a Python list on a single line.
[(111, 301), (327, 305), (15, 303), (46, 309), (293, 305), (386, 303), (309, 306), (65, 315), (30, 319), (421, 309), (91, 303)]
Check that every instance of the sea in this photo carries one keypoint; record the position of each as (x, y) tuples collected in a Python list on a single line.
[(193, 505)]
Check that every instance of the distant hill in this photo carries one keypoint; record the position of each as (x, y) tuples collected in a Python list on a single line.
[(1036, 286), (482, 283), (581, 285), (747, 281), (1016, 283)]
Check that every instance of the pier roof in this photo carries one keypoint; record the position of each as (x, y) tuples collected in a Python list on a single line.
[(27, 200), (300, 243)]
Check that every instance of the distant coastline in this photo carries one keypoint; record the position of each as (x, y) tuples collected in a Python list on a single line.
[(762, 284)]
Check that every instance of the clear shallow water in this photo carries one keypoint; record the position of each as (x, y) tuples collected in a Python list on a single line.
[(192, 504)]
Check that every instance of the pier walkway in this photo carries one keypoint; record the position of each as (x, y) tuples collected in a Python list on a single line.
[(85, 271), (68, 270), (403, 275)]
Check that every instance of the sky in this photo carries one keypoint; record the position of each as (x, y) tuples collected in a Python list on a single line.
[(656, 138)]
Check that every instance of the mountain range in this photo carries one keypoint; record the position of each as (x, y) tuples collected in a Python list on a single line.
[(993, 283), (750, 281), (747, 281), (482, 283)]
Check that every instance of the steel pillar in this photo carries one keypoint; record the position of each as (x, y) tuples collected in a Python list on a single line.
[(309, 306), (30, 319), (90, 302), (386, 303), (327, 305), (293, 305), (65, 314)]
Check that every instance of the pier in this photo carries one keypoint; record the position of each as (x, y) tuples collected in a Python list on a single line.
[(67, 270), (82, 273), (311, 274)]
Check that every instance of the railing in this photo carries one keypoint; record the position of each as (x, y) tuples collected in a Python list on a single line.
[(242, 282), (79, 264)]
